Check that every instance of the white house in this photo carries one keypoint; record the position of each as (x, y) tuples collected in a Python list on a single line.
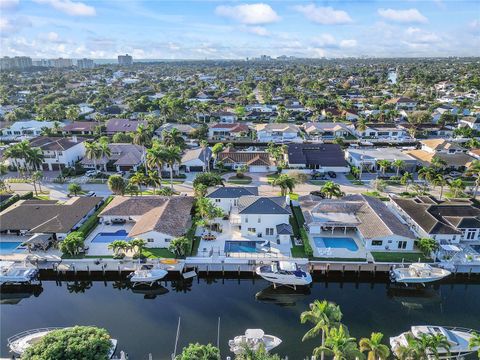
[(265, 217), (403, 103), (156, 219), (382, 132), (227, 131), (318, 131), (278, 133), (196, 159), (254, 161), (26, 129), (226, 198), (472, 122)]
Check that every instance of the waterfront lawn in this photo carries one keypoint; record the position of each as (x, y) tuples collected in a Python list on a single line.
[(239, 180), (399, 256), (155, 253)]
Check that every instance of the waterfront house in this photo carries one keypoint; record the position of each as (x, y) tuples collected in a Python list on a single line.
[(196, 159), (80, 128), (448, 221), (155, 219), (228, 131), (254, 161), (369, 218), (367, 158), (402, 103), (21, 130), (115, 126), (382, 132), (226, 198), (278, 133), (57, 219), (318, 131), (319, 157), (186, 130), (123, 157)]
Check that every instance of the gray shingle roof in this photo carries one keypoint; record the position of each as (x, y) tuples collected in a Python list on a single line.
[(316, 154), (284, 229), (232, 192), (262, 205)]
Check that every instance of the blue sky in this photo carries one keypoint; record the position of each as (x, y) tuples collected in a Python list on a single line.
[(238, 29)]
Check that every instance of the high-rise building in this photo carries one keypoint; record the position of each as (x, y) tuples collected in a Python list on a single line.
[(17, 62), (125, 60), (62, 63), (85, 63)]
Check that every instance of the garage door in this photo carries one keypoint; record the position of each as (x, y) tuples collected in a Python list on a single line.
[(196, 168), (255, 169)]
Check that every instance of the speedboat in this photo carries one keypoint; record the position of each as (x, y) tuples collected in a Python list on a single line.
[(253, 340), (15, 273), (284, 273), (458, 338), (147, 276), (20, 342), (418, 273)]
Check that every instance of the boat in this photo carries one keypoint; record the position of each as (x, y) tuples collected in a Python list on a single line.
[(457, 337), (16, 273), (253, 339), (284, 273), (20, 342), (147, 276), (418, 273)]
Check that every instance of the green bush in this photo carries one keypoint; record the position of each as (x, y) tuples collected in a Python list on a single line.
[(10, 201), (27, 196), (306, 242)]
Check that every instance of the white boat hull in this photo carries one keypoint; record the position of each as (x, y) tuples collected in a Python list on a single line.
[(418, 274), (147, 276), (18, 275), (238, 344), (287, 279)]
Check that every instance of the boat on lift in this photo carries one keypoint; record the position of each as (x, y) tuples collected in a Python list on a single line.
[(284, 273), (253, 339), (17, 273), (20, 342), (147, 276), (418, 273), (458, 338)]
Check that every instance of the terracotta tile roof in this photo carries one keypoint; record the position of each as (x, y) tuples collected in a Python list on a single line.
[(245, 157)]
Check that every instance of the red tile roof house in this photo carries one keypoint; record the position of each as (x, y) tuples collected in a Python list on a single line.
[(115, 126), (222, 131), (80, 128)]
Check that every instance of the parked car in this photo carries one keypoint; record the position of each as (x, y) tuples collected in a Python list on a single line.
[(332, 174), (455, 174), (119, 221), (91, 173), (90, 193)]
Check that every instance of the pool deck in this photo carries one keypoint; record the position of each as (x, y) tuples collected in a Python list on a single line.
[(344, 253), (101, 249)]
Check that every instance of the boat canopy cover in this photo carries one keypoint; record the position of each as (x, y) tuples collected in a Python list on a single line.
[(254, 333)]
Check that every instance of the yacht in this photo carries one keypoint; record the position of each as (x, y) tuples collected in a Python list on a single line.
[(253, 339), (418, 273), (147, 276), (20, 342), (457, 337), (284, 273), (16, 273)]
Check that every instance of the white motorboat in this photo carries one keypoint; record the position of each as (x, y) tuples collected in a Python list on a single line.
[(16, 273), (418, 273), (458, 339), (20, 342), (147, 276), (284, 273), (253, 339)]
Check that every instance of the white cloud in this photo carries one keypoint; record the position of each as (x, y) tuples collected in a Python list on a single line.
[(257, 30), (419, 36), (403, 16), (13, 25), (250, 14), (328, 41), (324, 15), (70, 7), (351, 43), (474, 25)]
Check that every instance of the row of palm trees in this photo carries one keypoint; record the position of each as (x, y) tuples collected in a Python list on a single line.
[(31, 157), (120, 247)]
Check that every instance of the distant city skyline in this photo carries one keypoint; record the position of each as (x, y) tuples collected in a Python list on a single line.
[(237, 29)]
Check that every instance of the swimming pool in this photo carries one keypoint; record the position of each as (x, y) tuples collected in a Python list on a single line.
[(336, 243), (241, 246), (10, 247), (108, 237)]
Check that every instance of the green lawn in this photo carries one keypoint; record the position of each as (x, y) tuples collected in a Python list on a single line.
[(155, 253), (318, 182), (272, 177), (241, 181), (41, 197), (339, 259), (350, 177), (298, 251), (377, 195), (399, 256)]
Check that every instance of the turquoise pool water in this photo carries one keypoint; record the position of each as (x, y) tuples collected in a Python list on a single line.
[(9, 247), (108, 237), (335, 243), (241, 246)]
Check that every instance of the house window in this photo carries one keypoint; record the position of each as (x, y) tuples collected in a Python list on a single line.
[(471, 234), (168, 239), (269, 231), (252, 230), (259, 219), (217, 200), (150, 240), (402, 244), (377, 242), (246, 219)]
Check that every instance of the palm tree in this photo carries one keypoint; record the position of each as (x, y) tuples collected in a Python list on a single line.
[(104, 151), (286, 183), (156, 158), (13, 153), (35, 158), (475, 343), (439, 180), (438, 163), (323, 315), (204, 146), (137, 246), (173, 137), (142, 137), (456, 186), (398, 164), (474, 169), (330, 190), (93, 152), (24, 149), (173, 155), (406, 179), (154, 180), (138, 179), (435, 343), (117, 184), (376, 350), (339, 344), (427, 174), (384, 164), (118, 245)]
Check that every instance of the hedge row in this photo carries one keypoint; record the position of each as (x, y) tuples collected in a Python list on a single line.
[(92, 221), (13, 199), (297, 214)]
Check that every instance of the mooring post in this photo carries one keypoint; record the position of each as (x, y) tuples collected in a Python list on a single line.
[(239, 270), (119, 271), (88, 270)]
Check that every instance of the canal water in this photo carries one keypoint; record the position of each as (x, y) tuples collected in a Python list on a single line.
[(392, 77), (145, 321)]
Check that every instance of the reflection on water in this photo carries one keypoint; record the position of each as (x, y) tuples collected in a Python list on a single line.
[(240, 303)]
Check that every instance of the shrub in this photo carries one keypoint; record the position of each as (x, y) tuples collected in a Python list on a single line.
[(73, 243), (199, 352), (10, 201)]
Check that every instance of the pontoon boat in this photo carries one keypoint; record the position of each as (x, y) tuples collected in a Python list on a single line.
[(458, 339), (418, 273), (284, 273), (253, 339)]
